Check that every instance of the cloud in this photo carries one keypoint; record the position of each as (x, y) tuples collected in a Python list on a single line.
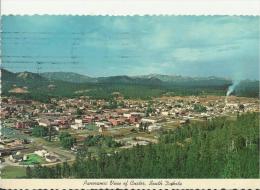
[(188, 45)]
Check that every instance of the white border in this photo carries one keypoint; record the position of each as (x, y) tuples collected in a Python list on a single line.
[(79, 184), (125, 8), (131, 7)]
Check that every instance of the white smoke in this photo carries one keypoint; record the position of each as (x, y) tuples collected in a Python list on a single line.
[(232, 88)]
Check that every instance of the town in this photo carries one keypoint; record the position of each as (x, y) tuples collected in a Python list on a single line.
[(50, 133)]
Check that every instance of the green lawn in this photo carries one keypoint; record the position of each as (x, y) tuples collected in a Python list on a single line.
[(12, 172), (33, 159)]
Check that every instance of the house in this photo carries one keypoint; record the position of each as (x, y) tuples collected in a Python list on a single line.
[(20, 125), (51, 158), (17, 157), (78, 121), (44, 122), (101, 124), (25, 124), (145, 120), (88, 119), (133, 119), (137, 114), (41, 153), (115, 122), (60, 127), (77, 126), (164, 113), (127, 115), (61, 121)]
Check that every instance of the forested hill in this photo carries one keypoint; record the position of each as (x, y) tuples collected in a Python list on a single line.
[(42, 87), (68, 77), (221, 148)]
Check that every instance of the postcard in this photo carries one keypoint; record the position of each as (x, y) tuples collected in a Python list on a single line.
[(153, 101)]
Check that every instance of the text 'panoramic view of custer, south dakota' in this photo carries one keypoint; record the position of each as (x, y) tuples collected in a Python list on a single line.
[(129, 97)]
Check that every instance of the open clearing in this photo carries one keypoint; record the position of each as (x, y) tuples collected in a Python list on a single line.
[(11, 172)]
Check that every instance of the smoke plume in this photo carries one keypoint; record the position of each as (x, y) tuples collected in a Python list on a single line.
[(232, 87)]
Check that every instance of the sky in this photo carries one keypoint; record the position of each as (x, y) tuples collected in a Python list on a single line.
[(222, 46)]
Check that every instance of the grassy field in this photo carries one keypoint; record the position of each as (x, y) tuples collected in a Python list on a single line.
[(33, 159), (11, 172)]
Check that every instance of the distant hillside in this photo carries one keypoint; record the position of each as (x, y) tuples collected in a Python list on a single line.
[(248, 88), (77, 78), (151, 79), (68, 77), (7, 75), (165, 78), (21, 78), (129, 80), (42, 87), (189, 81), (35, 86)]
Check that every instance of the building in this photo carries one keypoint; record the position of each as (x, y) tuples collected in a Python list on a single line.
[(88, 119), (145, 120), (165, 113), (115, 122), (17, 157), (44, 122), (78, 121), (20, 125), (51, 158), (101, 124), (41, 153), (77, 126), (127, 115), (133, 119)]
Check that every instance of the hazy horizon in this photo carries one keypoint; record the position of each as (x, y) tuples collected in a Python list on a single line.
[(99, 46), (171, 75)]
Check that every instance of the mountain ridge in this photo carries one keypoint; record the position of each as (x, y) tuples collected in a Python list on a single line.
[(80, 78), (43, 88)]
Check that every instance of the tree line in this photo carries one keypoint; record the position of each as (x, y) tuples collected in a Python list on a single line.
[(220, 148)]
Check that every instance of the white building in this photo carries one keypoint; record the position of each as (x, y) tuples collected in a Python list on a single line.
[(144, 120), (127, 115), (77, 126), (41, 153), (78, 121), (165, 113), (44, 122)]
